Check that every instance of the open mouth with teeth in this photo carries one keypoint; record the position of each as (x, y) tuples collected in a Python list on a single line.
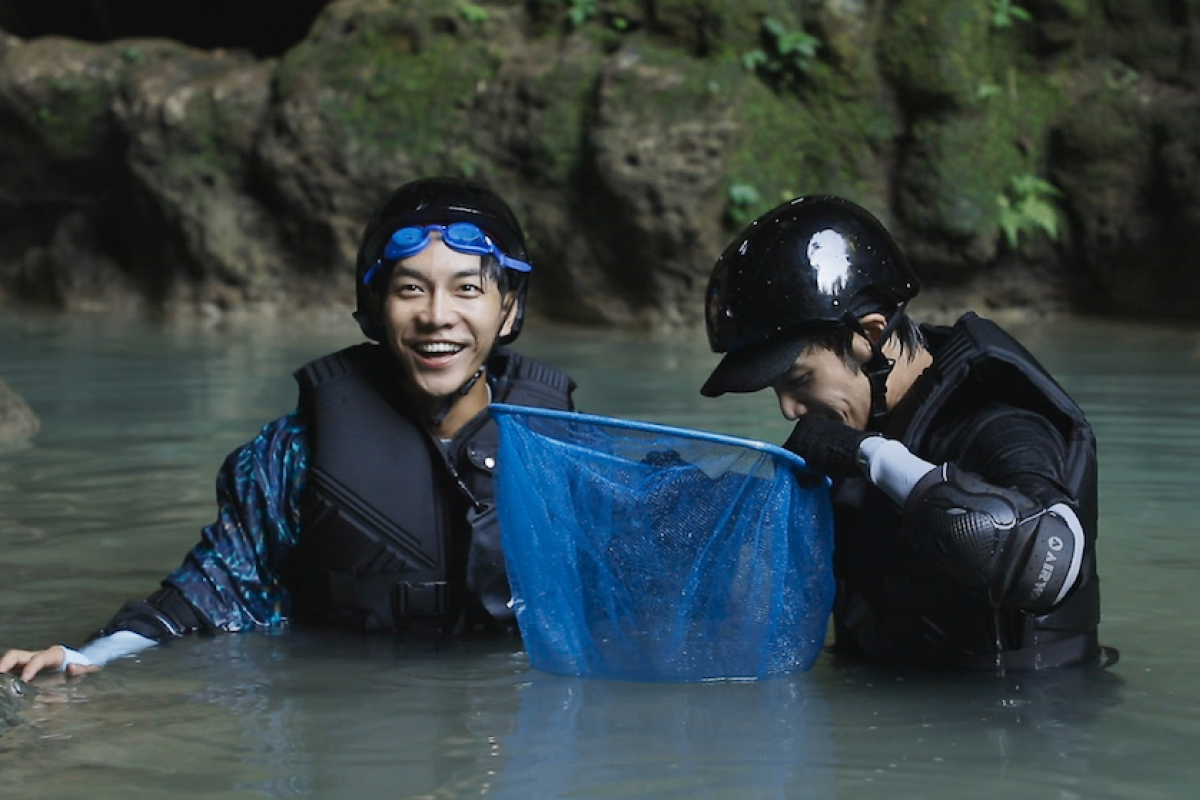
[(437, 351)]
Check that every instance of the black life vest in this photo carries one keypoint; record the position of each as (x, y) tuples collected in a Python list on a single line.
[(892, 601), (399, 531)]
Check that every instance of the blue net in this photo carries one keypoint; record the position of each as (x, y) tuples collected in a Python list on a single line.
[(646, 552)]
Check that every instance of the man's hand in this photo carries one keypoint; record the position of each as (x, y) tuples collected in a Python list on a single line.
[(829, 447), (32, 662)]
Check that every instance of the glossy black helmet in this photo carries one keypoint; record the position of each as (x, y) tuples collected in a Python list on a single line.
[(440, 200), (811, 262)]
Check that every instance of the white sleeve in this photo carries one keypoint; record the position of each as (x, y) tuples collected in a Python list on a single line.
[(99, 652), (891, 466)]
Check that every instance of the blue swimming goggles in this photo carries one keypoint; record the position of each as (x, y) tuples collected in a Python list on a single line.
[(464, 237)]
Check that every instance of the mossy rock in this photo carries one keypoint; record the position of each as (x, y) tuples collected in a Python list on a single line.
[(63, 92), (684, 87), (196, 116), (824, 140), (718, 27), (393, 78), (535, 115), (1142, 34), (1101, 125), (957, 167), (938, 53)]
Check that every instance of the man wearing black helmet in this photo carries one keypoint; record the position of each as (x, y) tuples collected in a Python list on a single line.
[(964, 476), (371, 505)]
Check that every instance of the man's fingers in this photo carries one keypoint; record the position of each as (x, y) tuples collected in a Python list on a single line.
[(33, 666), (13, 658), (32, 662)]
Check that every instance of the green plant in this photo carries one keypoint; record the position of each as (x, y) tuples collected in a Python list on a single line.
[(1026, 206), (986, 90), (1119, 77), (1005, 13), (580, 11), (742, 199), (472, 13), (786, 58), (131, 54)]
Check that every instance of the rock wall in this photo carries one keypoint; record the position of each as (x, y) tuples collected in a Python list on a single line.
[(1035, 153)]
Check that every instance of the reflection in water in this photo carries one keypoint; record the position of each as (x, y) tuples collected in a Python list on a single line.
[(113, 491), (583, 738), (970, 733)]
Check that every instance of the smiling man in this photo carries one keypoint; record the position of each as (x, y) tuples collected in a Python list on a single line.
[(964, 476), (371, 505)]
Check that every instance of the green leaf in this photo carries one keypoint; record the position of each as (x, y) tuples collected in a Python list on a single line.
[(472, 13), (1008, 221), (1042, 214), (754, 59), (743, 194)]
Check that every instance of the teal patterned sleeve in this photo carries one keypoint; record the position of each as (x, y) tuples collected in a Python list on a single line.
[(232, 577)]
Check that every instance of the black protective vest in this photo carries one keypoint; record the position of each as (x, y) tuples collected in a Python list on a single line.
[(397, 530), (893, 602)]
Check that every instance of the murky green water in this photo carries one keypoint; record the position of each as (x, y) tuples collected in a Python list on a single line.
[(112, 492)]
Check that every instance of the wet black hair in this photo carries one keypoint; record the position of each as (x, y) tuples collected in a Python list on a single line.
[(840, 339)]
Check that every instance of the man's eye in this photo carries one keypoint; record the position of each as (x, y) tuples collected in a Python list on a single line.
[(470, 288), (406, 289)]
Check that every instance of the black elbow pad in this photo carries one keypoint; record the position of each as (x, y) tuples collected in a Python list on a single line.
[(994, 540)]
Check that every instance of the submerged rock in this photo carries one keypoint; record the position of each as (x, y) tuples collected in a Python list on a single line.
[(17, 421), (15, 695)]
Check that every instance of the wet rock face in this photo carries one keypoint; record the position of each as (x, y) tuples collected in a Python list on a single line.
[(17, 420), (147, 166)]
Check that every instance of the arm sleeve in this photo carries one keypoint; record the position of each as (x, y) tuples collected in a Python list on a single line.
[(104, 649), (231, 580)]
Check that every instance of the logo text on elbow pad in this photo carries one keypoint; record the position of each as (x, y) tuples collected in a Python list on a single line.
[(1056, 545)]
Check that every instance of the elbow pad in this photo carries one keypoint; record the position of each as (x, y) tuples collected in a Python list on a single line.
[(162, 615), (995, 540)]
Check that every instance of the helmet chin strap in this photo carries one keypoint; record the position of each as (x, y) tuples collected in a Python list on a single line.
[(438, 417), (878, 368)]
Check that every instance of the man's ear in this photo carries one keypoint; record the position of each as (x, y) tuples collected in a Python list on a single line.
[(873, 324), (510, 305)]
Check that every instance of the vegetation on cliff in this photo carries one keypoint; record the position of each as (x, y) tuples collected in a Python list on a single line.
[(1048, 145)]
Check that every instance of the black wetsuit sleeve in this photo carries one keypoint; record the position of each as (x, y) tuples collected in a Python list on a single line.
[(1014, 449), (164, 614)]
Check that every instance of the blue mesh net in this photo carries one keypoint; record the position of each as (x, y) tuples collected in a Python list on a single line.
[(646, 552)]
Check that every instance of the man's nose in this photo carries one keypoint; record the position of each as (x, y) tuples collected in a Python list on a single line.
[(791, 408), (437, 309)]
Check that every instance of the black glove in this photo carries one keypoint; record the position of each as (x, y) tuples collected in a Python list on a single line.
[(828, 446)]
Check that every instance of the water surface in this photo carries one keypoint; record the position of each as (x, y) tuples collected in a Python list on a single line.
[(136, 418)]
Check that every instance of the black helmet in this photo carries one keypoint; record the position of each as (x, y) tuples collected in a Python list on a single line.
[(811, 262), (441, 200)]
